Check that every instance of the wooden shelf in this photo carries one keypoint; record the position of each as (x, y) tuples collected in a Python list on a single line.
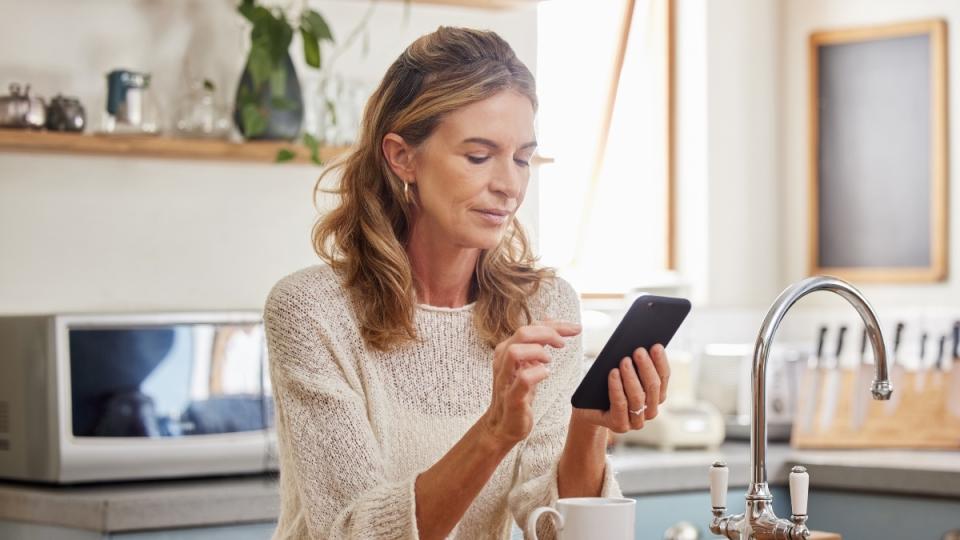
[(18, 140), (482, 4), (146, 146)]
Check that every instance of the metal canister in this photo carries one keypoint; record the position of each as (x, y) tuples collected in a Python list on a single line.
[(66, 113), (19, 110)]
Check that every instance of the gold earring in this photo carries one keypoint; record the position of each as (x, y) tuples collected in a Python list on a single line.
[(406, 191)]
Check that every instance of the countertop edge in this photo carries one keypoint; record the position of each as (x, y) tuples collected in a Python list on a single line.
[(246, 500)]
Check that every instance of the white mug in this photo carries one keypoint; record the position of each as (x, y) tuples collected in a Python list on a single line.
[(588, 518)]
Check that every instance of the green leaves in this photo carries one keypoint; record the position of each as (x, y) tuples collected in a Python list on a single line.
[(331, 108), (272, 34), (313, 145), (281, 34), (314, 23), (254, 121), (314, 30), (310, 142), (278, 82), (282, 103), (270, 39), (311, 49), (259, 66), (285, 154), (247, 8)]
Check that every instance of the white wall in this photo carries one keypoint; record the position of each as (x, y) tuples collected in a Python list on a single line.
[(92, 233), (743, 208), (690, 147), (727, 150), (742, 55), (800, 18), (742, 80), (741, 167), (81, 233)]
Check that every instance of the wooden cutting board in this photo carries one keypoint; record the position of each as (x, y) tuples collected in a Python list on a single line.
[(820, 535)]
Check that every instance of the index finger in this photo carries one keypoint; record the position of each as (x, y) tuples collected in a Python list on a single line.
[(537, 333), (564, 328)]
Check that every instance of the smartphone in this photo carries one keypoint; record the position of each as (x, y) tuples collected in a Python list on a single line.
[(649, 321)]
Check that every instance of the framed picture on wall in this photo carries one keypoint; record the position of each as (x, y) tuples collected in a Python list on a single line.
[(878, 153)]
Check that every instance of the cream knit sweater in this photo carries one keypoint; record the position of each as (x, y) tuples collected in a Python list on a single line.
[(356, 426)]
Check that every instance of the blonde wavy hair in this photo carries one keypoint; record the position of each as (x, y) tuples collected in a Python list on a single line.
[(363, 237)]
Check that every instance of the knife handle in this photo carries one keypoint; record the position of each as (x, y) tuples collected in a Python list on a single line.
[(896, 343), (863, 346), (843, 332), (956, 340), (820, 341), (943, 344)]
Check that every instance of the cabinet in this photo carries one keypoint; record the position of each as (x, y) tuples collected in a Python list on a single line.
[(856, 515), (33, 531)]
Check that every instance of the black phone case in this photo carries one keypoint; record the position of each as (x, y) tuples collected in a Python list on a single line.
[(649, 321)]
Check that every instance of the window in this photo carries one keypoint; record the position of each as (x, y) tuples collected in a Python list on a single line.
[(604, 208)]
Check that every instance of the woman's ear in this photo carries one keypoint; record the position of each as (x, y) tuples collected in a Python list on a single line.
[(399, 156)]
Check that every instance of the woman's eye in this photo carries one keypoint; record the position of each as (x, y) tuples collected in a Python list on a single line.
[(477, 159), (522, 163)]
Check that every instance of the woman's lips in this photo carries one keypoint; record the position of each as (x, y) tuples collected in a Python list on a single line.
[(493, 217)]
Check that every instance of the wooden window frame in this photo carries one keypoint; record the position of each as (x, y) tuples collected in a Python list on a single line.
[(670, 98)]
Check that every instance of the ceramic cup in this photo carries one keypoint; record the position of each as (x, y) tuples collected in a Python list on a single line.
[(588, 518)]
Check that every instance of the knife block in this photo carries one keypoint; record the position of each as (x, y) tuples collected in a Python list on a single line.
[(916, 416)]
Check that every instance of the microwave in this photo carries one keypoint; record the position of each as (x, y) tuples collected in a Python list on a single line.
[(109, 397)]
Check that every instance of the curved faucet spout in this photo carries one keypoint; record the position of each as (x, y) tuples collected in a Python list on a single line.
[(881, 388)]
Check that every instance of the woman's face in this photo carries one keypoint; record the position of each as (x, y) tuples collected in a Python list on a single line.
[(472, 172)]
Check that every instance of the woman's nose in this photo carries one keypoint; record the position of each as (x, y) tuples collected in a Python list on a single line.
[(509, 179)]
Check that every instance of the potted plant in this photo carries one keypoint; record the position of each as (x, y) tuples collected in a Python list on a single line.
[(269, 101)]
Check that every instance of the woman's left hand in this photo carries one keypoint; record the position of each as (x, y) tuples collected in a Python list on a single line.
[(635, 394)]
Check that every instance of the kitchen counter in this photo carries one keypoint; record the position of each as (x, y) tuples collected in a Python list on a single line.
[(227, 501), (135, 506), (911, 472)]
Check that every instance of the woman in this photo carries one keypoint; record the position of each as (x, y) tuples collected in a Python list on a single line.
[(423, 376)]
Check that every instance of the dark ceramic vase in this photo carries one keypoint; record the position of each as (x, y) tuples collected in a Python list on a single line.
[(282, 123)]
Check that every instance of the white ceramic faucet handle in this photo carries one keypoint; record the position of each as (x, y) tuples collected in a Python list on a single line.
[(719, 478), (799, 489)]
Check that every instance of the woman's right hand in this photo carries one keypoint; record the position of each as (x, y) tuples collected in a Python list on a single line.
[(520, 363)]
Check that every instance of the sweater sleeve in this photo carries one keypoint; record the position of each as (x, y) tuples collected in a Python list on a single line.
[(324, 437), (536, 484)]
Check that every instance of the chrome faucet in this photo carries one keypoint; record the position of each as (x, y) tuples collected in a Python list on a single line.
[(759, 522)]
